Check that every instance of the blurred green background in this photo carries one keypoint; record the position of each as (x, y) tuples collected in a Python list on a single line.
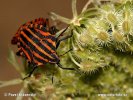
[(13, 14)]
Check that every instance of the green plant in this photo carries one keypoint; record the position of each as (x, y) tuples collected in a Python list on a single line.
[(102, 44)]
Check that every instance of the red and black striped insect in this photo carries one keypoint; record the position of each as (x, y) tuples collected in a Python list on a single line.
[(36, 42)]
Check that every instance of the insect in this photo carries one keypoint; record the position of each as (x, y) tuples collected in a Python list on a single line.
[(37, 43)]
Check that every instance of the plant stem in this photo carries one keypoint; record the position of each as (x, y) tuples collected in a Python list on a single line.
[(60, 18), (11, 82), (74, 9), (86, 5)]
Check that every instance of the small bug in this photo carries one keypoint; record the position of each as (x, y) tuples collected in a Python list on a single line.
[(37, 43)]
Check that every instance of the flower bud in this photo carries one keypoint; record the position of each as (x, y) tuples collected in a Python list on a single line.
[(112, 18), (103, 36), (85, 39), (118, 37), (88, 66), (126, 14), (126, 26)]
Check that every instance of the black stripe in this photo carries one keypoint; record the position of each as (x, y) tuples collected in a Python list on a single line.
[(35, 57), (51, 37), (33, 48), (50, 45), (31, 55), (42, 36), (39, 60), (37, 33), (35, 40), (27, 50), (47, 37)]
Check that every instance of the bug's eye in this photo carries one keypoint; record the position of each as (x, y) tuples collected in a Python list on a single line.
[(53, 30)]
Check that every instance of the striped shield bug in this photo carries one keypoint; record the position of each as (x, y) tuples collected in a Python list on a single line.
[(37, 43)]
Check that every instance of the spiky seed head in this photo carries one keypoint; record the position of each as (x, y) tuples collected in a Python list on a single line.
[(87, 66), (117, 36), (126, 26), (103, 36), (112, 18), (85, 39), (103, 24), (126, 14), (92, 30)]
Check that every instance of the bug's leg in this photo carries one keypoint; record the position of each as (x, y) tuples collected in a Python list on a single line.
[(65, 53), (19, 52), (53, 78), (59, 65), (62, 39), (35, 67), (63, 31)]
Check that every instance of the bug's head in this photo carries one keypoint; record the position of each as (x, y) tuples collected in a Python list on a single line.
[(53, 30), (39, 21), (42, 21)]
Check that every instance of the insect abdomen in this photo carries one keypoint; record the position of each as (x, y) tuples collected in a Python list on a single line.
[(42, 50)]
